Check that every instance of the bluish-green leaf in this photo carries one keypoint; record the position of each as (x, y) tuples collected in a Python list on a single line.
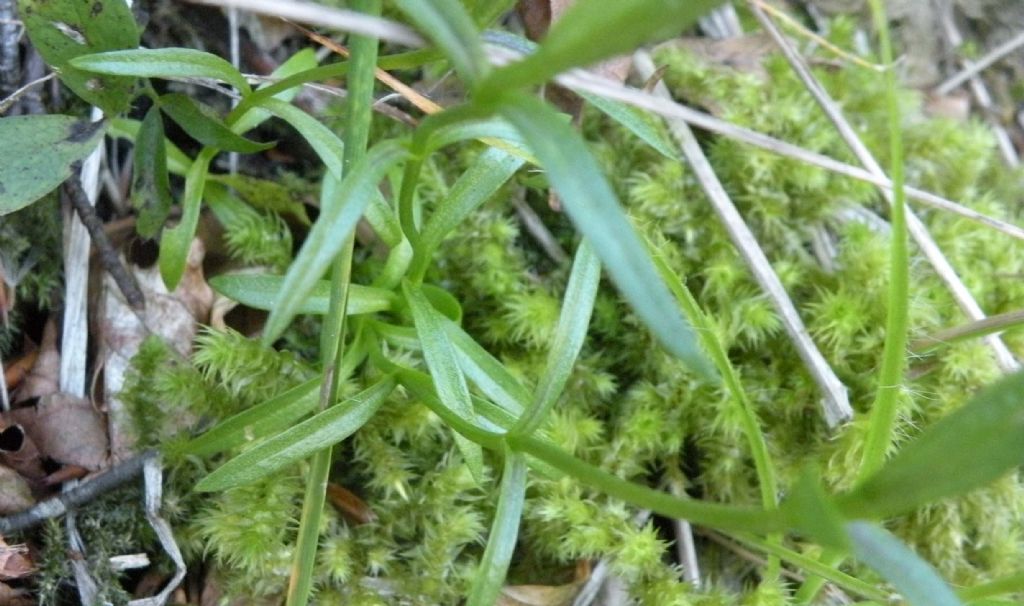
[(295, 444), (577, 305), (203, 126), (37, 153), (260, 291), (335, 223), (969, 448), (449, 381), (592, 30), (61, 31), (502, 541), (261, 420), (163, 63), (593, 207), (916, 580), (176, 241), (151, 188), (447, 24)]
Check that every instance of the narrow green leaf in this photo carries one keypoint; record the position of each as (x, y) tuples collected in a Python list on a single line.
[(621, 28), (916, 580), (293, 445), (808, 509), (260, 291), (125, 128), (335, 223), (635, 121), (202, 125), (62, 31), (176, 241), (969, 448), (246, 116), (325, 143), (163, 63), (151, 188), (449, 26), (254, 423), (37, 155), (502, 541), (577, 305), (444, 368), (486, 372), (594, 209)]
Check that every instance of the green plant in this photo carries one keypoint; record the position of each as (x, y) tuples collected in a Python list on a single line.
[(433, 440)]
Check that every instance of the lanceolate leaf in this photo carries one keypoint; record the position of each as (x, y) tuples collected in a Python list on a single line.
[(635, 121), (177, 162), (336, 222), (448, 25), (204, 127), (325, 143), (151, 189), (259, 291), (504, 530), (37, 153), (621, 27), (163, 63), (916, 580), (61, 31), (250, 118), (487, 372), (176, 241), (577, 305), (444, 368), (969, 448), (594, 209), (291, 446)]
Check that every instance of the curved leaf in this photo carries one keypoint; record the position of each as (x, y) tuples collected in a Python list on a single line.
[(163, 63), (151, 188), (451, 28), (260, 291), (176, 241), (202, 126), (502, 541), (325, 143)]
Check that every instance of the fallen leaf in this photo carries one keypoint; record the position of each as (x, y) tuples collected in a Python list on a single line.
[(175, 317), (10, 596), (42, 380), (15, 562), (18, 450), (350, 505), (68, 430), (16, 371), (15, 493), (538, 595)]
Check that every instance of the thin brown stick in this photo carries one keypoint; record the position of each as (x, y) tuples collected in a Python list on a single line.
[(108, 256)]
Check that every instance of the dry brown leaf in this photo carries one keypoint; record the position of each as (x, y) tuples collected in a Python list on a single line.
[(350, 505), (16, 370), (42, 380), (11, 596), (68, 430), (538, 595), (17, 448), (15, 493), (15, 562), (175, 317)]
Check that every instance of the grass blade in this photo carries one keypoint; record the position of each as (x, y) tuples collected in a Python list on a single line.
[(449, 381), (295, 444), (594, 209), (502, 541), (330, 231), (577, 305)]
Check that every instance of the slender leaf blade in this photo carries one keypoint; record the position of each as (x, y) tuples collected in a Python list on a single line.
[(38, 154), (151, 187), (449, 381), (487, 372), (335, 223), (176, 241), (328, 147), (202, 126), (594, 209), (504, 529), (163, 63), (295, 444), (916, 580), (260, 291), (451, 28)]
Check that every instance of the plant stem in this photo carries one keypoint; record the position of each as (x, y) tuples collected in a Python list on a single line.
[(358, 117), (885, 407)]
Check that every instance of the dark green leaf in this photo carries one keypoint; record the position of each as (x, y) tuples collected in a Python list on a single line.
[(61, 31), (151, 188), (336, 222), (202, 125), (124, 128), (449, 381), (621, 27), (594, 209), (37, 153), (502, 541), (916, 580), (969, 448), (446, 23), (259, 291), (163, 63), (176, 241), (261, 420), (293, 445)]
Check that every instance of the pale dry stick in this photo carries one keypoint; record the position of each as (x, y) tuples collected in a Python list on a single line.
[(686, 550), (981, 94), (13, 97), (836, 403), (535, 225), (972, 68), (345, 20), (236, 62), (721, 22), (604, 87), (915, 226)]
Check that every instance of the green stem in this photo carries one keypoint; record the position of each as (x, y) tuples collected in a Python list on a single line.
[(358, 117), (1011, 584), (885, 408)]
